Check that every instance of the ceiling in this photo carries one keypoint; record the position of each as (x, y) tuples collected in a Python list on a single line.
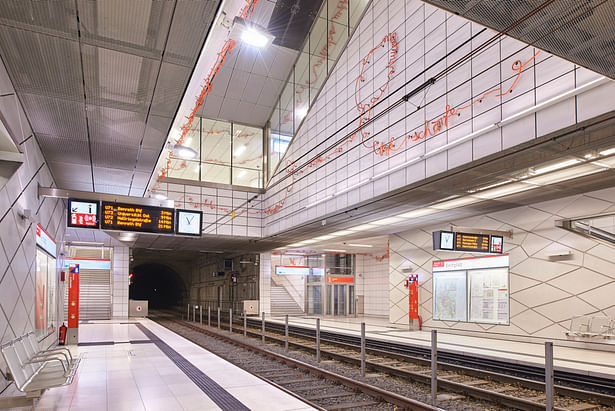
[(100, 82), (580, 31)]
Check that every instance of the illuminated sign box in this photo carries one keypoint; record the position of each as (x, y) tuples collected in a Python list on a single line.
[(292, 270), (83, 213), (129, 217)]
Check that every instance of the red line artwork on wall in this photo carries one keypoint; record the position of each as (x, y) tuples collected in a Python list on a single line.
[(365, 108)]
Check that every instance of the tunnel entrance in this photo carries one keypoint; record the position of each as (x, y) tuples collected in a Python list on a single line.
[(159, 284)]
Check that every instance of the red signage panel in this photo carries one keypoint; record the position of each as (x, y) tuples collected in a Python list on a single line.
[(73, 296), (343, 280)]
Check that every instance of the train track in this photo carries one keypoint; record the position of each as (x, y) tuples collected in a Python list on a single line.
[(506, 384), (319, 388)]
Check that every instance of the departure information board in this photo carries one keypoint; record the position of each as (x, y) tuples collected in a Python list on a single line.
[(472, 242), (129, 217), (476, 243)]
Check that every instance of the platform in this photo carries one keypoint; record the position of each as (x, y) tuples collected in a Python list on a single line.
[(140, 365), (579, 360)]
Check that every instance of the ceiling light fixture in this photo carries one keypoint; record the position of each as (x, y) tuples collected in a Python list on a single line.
[(607, 152), (504, 190), (361, 245), (458, 202), (335, 251), (387, 221), (159, 196), (363, 227), (184, 152), (250, 34)]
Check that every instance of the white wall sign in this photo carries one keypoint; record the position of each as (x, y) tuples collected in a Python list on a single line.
[(292, 270), (45, 241), (89, 263), (490, 261)]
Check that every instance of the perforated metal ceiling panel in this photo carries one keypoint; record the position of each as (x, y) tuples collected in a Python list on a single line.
[(580, 31), (101, 81)]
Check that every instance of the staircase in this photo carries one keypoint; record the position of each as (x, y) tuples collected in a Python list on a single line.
[(282, 303)]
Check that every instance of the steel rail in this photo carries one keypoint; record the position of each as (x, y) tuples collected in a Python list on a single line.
[(378, 393)]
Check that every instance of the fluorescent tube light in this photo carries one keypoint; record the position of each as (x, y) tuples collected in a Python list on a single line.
[(504, 190), (387, 221), (556, 166), (419, 212), (458, 202), (324, 237), (363, 227), (361, 245), (342, 232), (563, 175), (608, 152), (335, 251)]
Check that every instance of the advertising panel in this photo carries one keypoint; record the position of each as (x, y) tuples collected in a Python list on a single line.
[(73, 296)]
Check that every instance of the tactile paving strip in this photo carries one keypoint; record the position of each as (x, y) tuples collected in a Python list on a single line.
[(219, 395)]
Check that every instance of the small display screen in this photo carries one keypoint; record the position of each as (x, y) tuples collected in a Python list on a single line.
[(497, 244), (472, 242), (83, 213), (447, 240), (189, 222), (129, 217)]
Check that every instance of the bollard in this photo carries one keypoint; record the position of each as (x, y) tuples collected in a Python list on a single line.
[(263, 328), (318, 340), (245, 324), (209, 316), (188, 313), (549, 382), (194, 313), (362, 349), (201, 314), (434, 366), (218, 317), (286, 334), (230, 320)]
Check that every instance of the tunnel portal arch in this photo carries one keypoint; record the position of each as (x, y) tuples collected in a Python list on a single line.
[(158, 283)]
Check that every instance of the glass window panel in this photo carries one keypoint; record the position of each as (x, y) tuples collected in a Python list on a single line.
[(185, 169), (338, 12), (338, 34), (286, 109), (450, 296), (247, 147), (41, 293), (274, 154), (216, 145), (356, 11), (247, 177), (302, 88), (318, 55), (215, 173), (489, 296)]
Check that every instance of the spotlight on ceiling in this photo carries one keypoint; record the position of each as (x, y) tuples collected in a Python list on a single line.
[(250, 34), (184, 152)]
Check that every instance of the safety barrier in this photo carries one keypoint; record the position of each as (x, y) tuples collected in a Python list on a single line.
[(35, 369)]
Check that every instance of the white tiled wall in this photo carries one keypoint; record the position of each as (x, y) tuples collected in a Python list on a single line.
[(425, 34), (120, 267), (17, 235), (372, 281), (544, 294), (225, 212)]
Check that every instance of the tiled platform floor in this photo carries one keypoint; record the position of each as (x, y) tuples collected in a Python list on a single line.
[(139, 376), (581, 360)]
